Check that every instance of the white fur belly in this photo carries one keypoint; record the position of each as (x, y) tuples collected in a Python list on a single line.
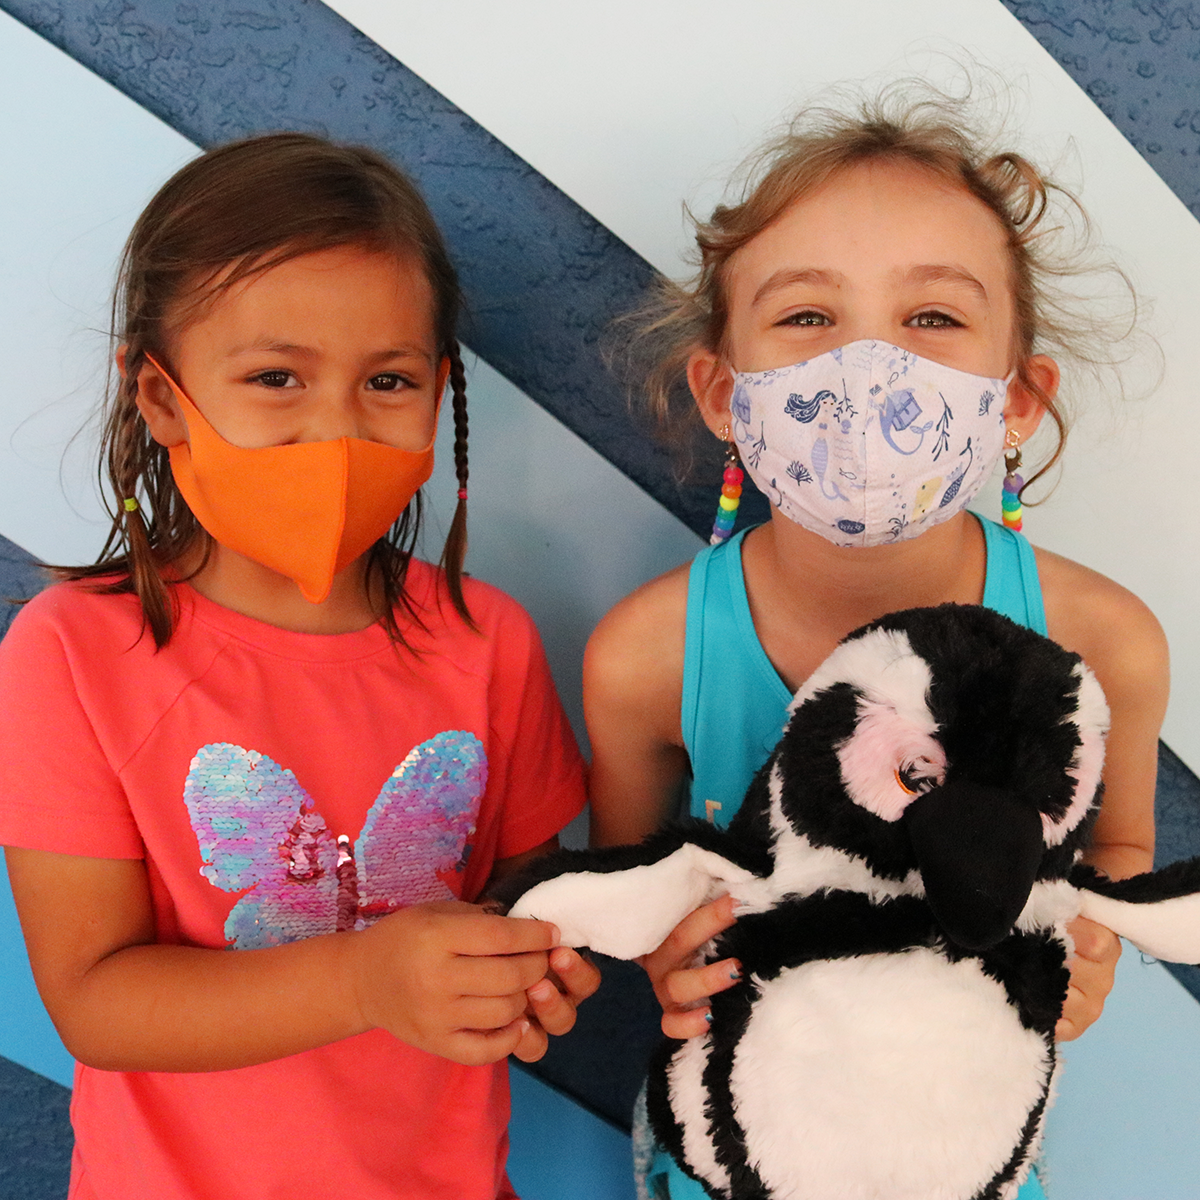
[(897, 1076)]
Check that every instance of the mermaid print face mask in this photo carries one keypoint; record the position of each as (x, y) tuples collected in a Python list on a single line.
[(868, 444)]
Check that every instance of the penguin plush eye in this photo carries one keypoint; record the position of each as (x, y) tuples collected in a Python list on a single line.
[(919, 777), (891, 757)]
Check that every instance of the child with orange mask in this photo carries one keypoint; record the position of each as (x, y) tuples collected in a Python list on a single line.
[(258, 723)]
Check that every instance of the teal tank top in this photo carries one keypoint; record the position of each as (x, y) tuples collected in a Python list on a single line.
[(734, 702), (735, 705)]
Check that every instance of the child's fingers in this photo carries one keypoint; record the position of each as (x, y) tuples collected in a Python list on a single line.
[(552, 1010), (686, 1023), (1094, 942), (553, 999), (532, 1043), (1092, 967), (579, 977), (503, 975), (684, 988), (477, 1047), (694, 931), (480, 1014), (487, 934)]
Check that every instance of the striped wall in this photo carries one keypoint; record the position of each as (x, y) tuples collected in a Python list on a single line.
[(556, 142)]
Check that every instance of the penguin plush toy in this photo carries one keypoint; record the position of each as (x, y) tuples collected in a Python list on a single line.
[(905, 867)]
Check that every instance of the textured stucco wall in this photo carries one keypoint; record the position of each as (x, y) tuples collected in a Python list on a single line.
[(1139, 60)]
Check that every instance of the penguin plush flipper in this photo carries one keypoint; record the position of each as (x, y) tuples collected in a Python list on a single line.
[(1159, 911), (627, 913)]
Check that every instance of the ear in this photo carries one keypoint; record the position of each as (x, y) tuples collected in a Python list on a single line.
[(156, 403), (711, 382), (443, 373), (1023, 408)]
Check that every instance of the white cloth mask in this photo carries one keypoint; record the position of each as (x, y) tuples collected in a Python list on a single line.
[(868, 444)]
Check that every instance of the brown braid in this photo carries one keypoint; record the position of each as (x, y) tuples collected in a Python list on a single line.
[(455, 550)]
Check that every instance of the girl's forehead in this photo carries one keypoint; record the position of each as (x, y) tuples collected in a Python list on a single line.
[(872, 219), (342, 285)]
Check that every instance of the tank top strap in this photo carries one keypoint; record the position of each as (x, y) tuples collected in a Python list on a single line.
[(1011, 586), (734, 703)]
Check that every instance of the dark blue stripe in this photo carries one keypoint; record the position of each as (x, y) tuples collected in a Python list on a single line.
[(1139, 60), (543, 279), (35, 1135)]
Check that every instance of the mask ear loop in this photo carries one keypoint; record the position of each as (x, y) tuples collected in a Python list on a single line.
[(731, 492), (1010, 497)]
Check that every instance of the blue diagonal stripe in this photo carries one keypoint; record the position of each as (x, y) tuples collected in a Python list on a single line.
[(1139, 60)]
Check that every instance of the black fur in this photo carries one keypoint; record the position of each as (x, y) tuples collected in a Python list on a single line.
[(1032, 968), (1167, 883), (1021, 1154), (731, 1014)]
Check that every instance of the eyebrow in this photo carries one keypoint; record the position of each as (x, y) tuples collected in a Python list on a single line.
[(308, 351), (923, 273), (789, 276), (943, 273)]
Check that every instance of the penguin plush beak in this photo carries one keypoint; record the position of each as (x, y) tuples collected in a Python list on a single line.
[(978, 850)]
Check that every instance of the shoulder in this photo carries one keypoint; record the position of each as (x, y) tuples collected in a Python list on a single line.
[(635, 656), (1114, 632), (77, 613), (491, 609), (646, 627), (500, 639)]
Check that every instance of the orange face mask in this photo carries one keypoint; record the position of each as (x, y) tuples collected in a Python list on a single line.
[(307, 509)]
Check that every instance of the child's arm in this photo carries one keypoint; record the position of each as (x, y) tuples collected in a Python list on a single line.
[(445, 977), (1122, 642), (633, 687), (632, 693)]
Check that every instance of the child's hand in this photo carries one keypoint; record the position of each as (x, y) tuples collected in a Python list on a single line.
[(682, 988), (451, 979), (554, 999), (1093, 967)]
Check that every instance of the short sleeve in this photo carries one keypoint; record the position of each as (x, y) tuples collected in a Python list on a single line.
[(535, 768), (58, 791)]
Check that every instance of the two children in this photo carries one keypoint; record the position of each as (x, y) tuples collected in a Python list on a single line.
[(259, 722)]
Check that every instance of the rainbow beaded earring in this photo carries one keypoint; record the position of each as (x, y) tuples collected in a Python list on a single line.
[(1010, 497), (731, 491)]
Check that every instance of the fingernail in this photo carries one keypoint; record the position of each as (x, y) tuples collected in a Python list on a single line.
[(708, 1017), (735, 971), (542, 990)]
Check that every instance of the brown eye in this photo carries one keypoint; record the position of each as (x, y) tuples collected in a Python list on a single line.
[(808, 316), (388, 381), (933, 319), (274, 379)]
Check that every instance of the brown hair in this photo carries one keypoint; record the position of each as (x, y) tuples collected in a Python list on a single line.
[(933, 133), (230, 214)]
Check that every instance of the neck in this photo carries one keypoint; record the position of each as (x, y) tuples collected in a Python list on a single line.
[(245, 586), (806, 594)]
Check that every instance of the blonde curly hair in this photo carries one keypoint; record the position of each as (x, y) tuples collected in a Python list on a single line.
[(1047, 233)]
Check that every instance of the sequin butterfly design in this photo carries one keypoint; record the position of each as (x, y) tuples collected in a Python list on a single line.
[(260, 833)]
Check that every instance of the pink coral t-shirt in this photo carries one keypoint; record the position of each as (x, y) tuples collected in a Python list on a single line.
[(279, 785)]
